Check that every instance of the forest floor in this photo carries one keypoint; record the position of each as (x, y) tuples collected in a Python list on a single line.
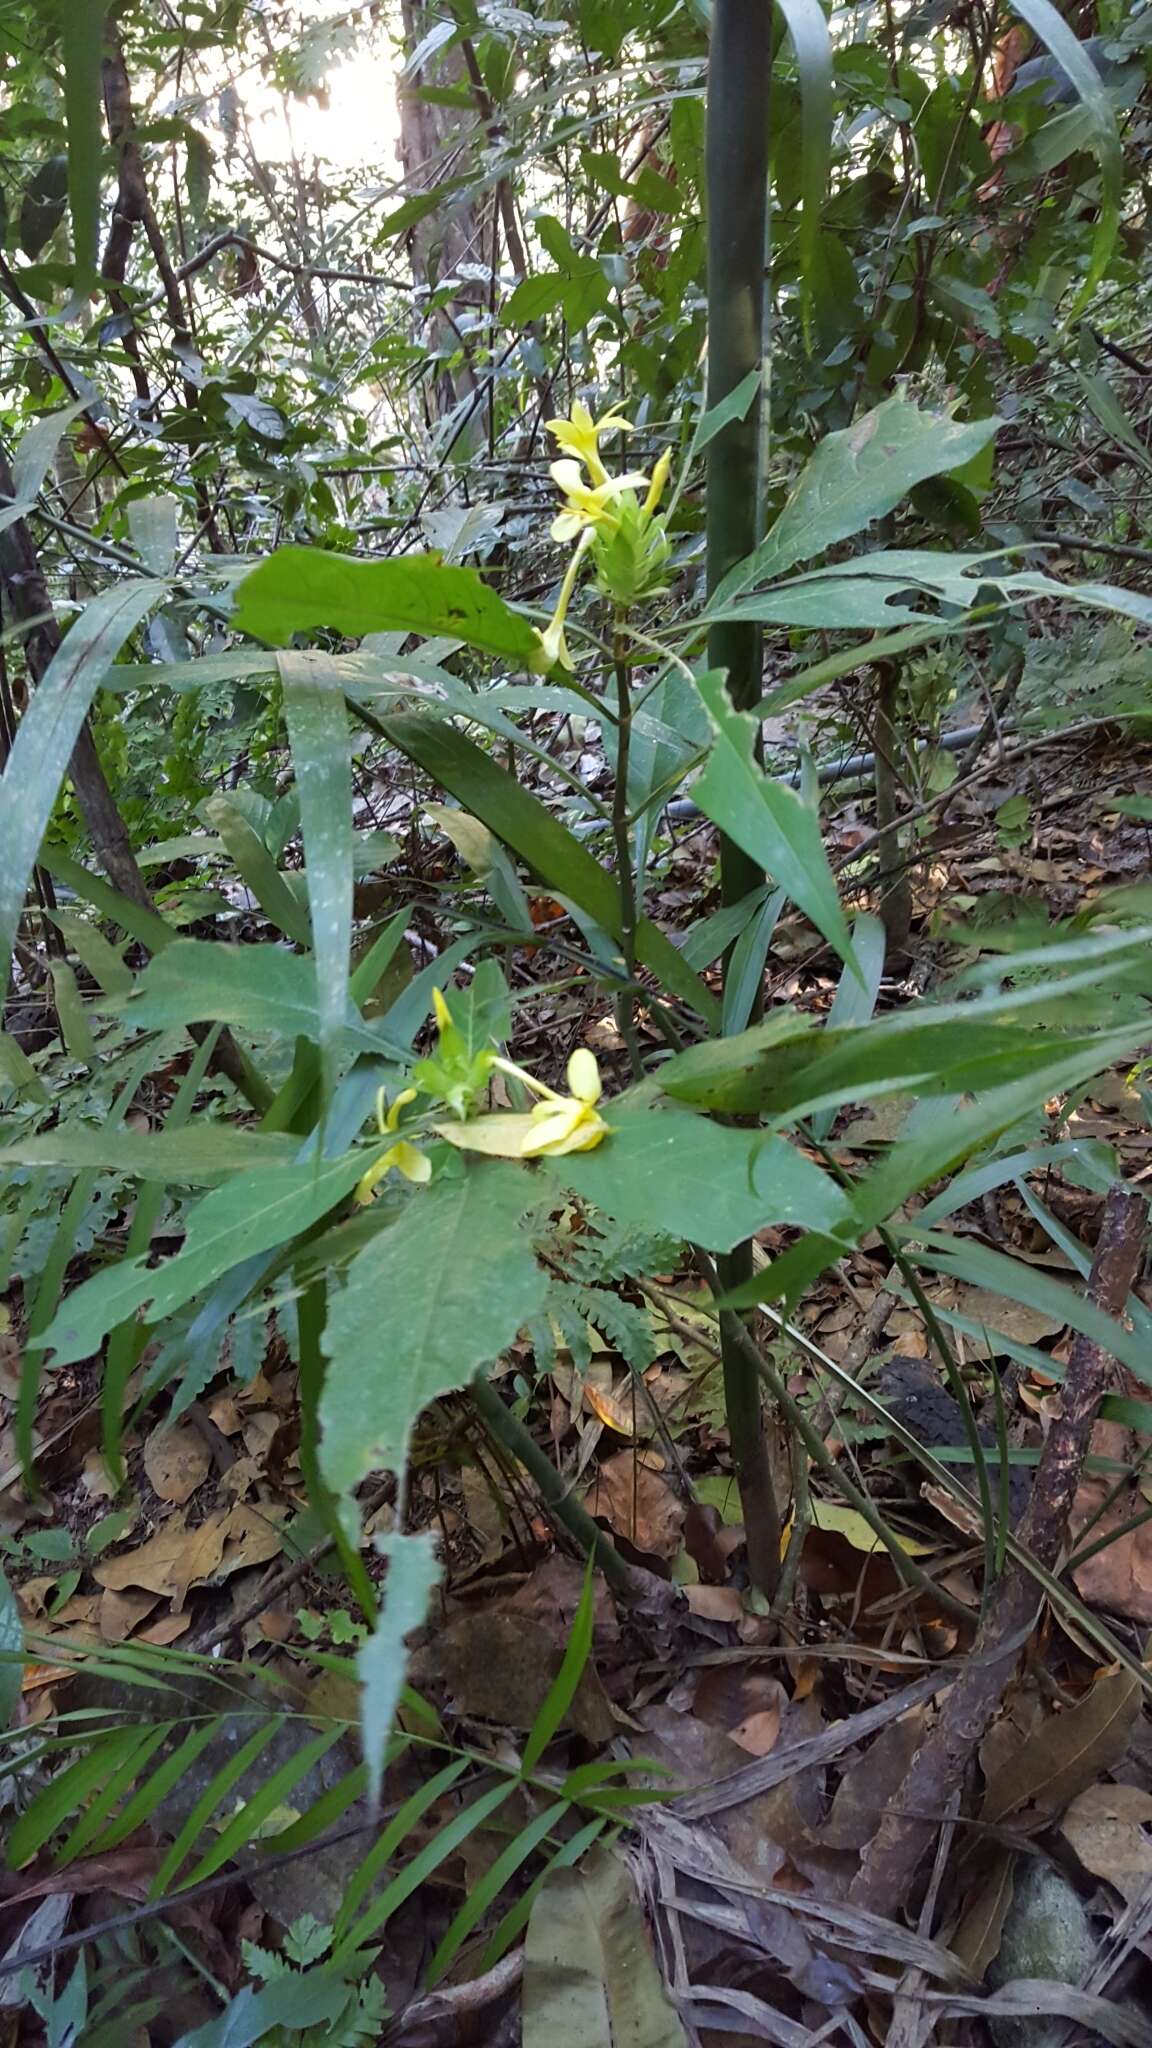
[(212, 1547)]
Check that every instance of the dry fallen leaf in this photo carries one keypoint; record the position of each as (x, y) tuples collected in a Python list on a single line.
[(638, 1503), (1105, 1825), (120, 1613), (1067, 1751), (715, 1603), (177, 1461), (166, 1630), (253, 1536), (175, 1558), (759, 1733), (1118, 1577)]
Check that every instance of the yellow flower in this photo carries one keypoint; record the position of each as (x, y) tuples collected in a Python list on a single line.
[(406, 1158), (568, 1123), (586, 506), (659, 479), (552, 639), (579, 435), (557, 1124)]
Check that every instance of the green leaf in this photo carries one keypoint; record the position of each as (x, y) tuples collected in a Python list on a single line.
[(733, 406), (446, 1287), (482, 1896), (855, 1000), (299, 1999), (813, 46), (856, 476), (48, 732), (769, 821), (783, 1070), (554, 854), (257, 869), (298, 589), (17, 1071), (82, 22), (253, 1212), (562, 1691), (706, 1183), (258, 988), (104, 961), (589, 1973), (33, 458), (75, 1028), (413, 1571), (11, 1652), (145, 925), (204, 1154), (1096, 1167), (1051, 28), (154, 525), (1035, 1288), (322, 756)]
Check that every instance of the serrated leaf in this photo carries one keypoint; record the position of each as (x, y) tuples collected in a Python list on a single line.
[(204, 1154), (441, 1292), (258, 988), (254, 1212)]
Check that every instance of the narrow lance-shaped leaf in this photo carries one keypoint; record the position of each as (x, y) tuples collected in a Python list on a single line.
[(83, 30), (552, 852), (769, 821), (321, 754), (413, 1571), (33, 458), (257, 869), (1073, 59), (813, 46), (48, 732)]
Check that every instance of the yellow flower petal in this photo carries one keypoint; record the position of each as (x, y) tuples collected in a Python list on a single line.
[(501, 1136), (443, 1013), (404, 1157), (405, 1096), (584, 1075)]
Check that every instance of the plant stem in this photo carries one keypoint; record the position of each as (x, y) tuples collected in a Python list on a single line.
[(895, 888), (739, 69), (561, 1503), (622, 836)]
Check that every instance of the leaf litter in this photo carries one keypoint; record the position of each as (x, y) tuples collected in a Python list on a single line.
[(725, 1904)]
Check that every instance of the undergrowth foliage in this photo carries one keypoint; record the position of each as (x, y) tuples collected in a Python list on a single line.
[(311, 570)]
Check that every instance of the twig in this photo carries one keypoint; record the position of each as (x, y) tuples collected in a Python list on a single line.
[(459, 2003), (906, 1834)]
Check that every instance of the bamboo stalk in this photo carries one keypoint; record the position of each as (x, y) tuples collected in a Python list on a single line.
[(736, 145)]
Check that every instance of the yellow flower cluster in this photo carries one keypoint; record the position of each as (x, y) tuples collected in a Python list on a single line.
[(554, 1125), (604, 516)]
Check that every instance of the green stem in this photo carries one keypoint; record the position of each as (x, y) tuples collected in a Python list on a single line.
[(622, 839), (739, 70), (561, 1503)]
